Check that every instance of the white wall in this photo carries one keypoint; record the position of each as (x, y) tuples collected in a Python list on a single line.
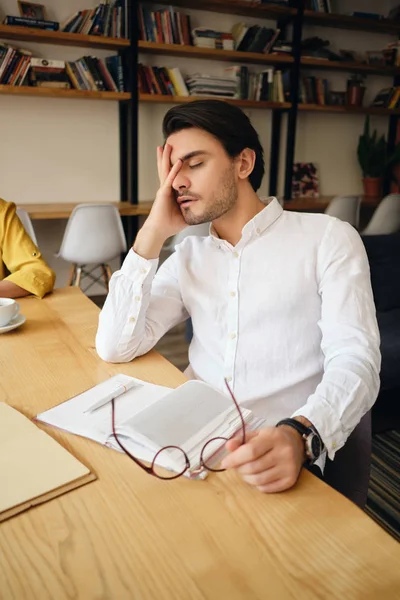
[(59, 150)]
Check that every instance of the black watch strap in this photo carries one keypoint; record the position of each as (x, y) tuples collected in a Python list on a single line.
[(299, 427)]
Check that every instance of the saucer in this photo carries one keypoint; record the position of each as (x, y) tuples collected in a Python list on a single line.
[(13, 324)]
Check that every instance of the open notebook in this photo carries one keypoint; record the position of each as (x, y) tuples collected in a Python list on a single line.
[(149, 417), (33, 467)]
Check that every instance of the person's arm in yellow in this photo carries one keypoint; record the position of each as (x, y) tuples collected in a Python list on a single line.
[(28, 272)]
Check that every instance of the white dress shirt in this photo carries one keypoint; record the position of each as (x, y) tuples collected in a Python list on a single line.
[(287, 316)]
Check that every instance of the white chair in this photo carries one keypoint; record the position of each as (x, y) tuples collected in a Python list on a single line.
[(345, 208), (94, 235), (202, 230), (386, 217), (27, 223)]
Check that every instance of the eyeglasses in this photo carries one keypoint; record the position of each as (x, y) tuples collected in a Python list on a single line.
[(180, 457)]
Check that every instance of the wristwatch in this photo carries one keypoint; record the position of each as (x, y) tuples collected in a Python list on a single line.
[(314, 446)]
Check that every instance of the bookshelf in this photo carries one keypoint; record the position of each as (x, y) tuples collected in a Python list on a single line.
[(124, 47), (242, 103), (25, 90), (348, 22), (283, 15), (236, 7), (211, 54), (60, 38), (128, 102)]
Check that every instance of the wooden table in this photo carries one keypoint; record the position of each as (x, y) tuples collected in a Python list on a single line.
[(63, 210), (131, 536)]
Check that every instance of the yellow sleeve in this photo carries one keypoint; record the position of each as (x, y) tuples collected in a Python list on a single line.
[(22, 258)]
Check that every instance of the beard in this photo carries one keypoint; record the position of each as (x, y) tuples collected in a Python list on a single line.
[(220, 202)]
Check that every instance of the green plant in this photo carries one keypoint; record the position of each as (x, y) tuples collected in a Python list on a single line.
[(373, 154)]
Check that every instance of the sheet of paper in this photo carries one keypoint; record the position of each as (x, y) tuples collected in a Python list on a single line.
[(72, 416)]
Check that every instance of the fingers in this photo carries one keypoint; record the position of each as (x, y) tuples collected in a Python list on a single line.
[(280, 485), (165, 162), (251, 451), (173, 173), (159, 162), (236, 442), (265, 462)]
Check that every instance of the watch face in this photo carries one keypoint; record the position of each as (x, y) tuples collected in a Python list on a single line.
[(315, 446)]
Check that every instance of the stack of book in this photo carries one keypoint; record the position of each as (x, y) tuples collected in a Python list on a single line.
[(48, 74), (29, 22), (165, 26), (211, 38), (97, 75), (387, 98), (319, 5), (210, 85), (314, 90), (109, 18), (14, 64), (269, 85), (162, 81), (254, 38)]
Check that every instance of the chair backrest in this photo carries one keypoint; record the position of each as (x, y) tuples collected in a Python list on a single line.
[(386, 218), (345, 208), (349, 472), (94, 235), (202, 230), (27, 223)]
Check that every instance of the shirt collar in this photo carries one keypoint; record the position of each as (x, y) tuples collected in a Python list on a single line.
[(257, 224)]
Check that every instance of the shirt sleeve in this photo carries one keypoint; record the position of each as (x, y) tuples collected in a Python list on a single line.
[(140, 307), (22, 257), (350, 338)]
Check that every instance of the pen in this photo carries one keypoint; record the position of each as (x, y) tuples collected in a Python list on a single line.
[(118, 391)]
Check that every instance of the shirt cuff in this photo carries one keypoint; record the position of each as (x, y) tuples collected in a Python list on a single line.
[(325, 422), (134, 263), (38, 285)]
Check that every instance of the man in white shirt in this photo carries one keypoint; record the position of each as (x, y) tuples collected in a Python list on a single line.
[(281, 302)]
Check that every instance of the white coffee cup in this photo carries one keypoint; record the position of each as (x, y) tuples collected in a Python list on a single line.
[(8, 310)]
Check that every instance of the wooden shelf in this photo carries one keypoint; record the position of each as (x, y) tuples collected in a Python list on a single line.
[(213, 54), (157, 98), (348, 22), (361, 110), (351, 67), (235, 7), (321, 203), (56, 93), (60, 38)]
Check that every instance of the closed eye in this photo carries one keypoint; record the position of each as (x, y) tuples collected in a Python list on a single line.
[(196, 165)]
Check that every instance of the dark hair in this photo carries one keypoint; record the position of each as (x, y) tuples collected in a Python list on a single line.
[(225, 122)]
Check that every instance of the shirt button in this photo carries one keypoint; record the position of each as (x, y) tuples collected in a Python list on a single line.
[(228, 378), (143, 271), (236, 254), (233, 294), (34, 253), (232, 336), (137, 298), (132, 319), (258, 230), (334, 445)]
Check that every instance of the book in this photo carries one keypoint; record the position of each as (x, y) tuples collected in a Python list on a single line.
[(149, 417), (28, 22), (34, 468)]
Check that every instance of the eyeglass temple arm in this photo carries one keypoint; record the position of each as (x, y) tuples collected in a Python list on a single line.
[(239, 411)]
